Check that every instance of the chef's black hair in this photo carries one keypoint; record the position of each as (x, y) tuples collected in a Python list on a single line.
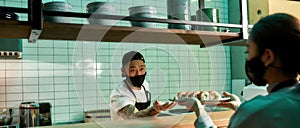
[(281, 33)]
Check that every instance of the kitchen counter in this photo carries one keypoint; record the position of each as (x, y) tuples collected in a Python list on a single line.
[(221, 120)]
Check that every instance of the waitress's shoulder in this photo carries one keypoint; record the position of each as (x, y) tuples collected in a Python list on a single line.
[(247, 115), (259, 104)]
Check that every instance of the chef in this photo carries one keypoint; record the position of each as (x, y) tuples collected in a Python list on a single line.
[(131, 98)]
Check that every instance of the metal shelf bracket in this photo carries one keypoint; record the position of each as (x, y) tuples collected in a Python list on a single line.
[(244, 18), (35, 14)]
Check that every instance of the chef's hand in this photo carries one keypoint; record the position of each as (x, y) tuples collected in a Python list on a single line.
[(161, 106), (233, 103)]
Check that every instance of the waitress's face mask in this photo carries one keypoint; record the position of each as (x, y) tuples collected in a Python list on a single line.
[(255, 70)]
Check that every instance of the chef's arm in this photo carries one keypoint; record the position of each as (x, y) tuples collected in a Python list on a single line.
[(130, 111)]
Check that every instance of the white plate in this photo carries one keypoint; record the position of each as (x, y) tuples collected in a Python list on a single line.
[(216, 101)]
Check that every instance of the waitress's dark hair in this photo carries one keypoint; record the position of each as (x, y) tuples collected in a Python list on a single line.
[(281, 33)]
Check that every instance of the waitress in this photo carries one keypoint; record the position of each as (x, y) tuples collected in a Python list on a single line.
[(273, 58), (131, 98)]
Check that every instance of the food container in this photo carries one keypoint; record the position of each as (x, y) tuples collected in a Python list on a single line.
[(45, 114), (6, 116), (179, 10), (208, 15), (143, 12), (29, 114), (57, 6), (8, 17), (100, 8)]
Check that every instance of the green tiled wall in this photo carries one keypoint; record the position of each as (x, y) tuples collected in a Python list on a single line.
[(76, 76)]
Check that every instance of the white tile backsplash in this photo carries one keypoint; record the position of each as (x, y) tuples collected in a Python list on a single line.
[(61, 88), (71, 51), (45, 43), (60, 51), (61, 73), (46, 80), (61, 44), (87, 107), (12, 96), (76, 76), (29, 58), (46, 95), (43, 65), (30, 80), (2, 66), (14, 89), (30, 73), (45, 73), (75, 102), (31, 51), (46, 88), (2, 97), (30, 66), (2, 89), (76, 108), (90, 93), (45, 51), (46, 58), (60, 80), (61, 66), (12, 81), (11, 73), (30, 88), (90, 100), (59, 95), (13, 66), (62, 102), (61, 58)]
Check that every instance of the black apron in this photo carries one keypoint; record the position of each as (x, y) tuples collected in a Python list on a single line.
[(141, 105)]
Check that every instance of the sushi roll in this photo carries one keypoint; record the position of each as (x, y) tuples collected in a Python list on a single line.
[(203, 95), (214, 95)]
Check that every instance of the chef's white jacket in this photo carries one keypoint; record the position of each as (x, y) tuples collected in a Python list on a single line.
[(121, 97)]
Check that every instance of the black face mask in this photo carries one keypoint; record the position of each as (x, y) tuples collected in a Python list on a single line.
[(136, 81), (255, 70)]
